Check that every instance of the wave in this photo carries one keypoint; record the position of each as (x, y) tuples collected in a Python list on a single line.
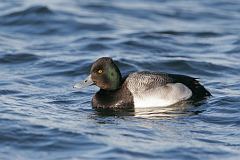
[(42, 20), (18, 58)]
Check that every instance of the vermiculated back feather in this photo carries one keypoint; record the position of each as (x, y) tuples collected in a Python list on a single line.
[(147, 80)]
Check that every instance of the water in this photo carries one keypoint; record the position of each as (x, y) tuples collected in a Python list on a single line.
[(47, 46)]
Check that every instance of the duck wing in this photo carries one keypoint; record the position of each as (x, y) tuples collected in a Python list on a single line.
[(162, 89), (198, 90)]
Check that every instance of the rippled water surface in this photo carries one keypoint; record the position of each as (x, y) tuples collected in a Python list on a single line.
[(47, 46)]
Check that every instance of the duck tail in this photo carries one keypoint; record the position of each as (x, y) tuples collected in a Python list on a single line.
[(199, 92)]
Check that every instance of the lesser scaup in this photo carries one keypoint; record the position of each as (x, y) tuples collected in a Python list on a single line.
[(139, 89)]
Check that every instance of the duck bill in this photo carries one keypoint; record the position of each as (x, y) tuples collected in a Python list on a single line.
[(87, 82)]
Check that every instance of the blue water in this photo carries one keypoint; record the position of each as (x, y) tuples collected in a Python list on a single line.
[(45, 47)]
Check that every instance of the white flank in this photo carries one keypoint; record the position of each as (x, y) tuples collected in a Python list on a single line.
[(161, 96)]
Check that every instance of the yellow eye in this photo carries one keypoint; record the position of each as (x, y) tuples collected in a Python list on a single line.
[(100, 71)]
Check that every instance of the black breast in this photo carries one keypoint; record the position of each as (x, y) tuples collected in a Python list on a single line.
[(121, 98)]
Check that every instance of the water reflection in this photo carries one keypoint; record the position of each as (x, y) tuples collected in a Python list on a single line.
[(174, 111)]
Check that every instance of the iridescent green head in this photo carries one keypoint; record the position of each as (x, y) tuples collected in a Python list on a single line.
[(104, 74)]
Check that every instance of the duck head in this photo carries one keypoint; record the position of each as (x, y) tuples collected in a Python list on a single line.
[(104, 73)]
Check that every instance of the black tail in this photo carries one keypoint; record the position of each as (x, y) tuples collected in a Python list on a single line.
[(199, 92)]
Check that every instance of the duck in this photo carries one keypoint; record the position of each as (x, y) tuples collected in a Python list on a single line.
[(140, 89)]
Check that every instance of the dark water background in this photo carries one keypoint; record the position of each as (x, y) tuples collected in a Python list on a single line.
[(45, 47)]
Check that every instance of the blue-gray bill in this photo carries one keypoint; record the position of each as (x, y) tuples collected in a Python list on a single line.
[(87, 82)]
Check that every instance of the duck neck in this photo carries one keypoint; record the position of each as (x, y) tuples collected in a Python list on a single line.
[(116, 82), (115, 78)]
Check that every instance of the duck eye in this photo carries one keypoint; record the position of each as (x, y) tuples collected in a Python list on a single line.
[(100, 71)]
